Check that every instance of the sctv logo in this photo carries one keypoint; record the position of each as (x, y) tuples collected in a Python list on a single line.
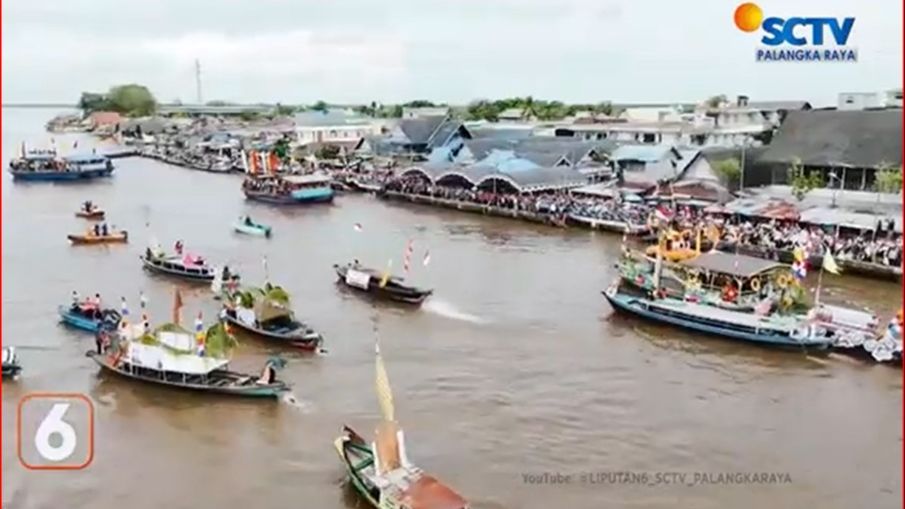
[(798, 38)]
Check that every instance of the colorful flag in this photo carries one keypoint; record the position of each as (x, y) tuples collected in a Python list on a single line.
[(799, 270), (123, 307), (829, 264), (662, 213), (245, 162), (357, 227), (177, 306), (384, 392), (427, 258), (407, 256), (199, 322)]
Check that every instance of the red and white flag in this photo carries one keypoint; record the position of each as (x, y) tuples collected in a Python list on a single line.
[(663, 213), (407, 257), (427, 258)]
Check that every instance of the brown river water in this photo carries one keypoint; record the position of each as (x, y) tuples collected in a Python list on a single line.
[(515, 367)]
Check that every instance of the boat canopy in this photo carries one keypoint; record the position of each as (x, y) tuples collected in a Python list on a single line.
[(165, 359), (735, 265), (267, 310)]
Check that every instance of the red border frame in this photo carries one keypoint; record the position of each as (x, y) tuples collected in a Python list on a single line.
[(55, 395)]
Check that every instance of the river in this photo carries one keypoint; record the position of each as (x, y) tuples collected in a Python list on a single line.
[(516, 365)]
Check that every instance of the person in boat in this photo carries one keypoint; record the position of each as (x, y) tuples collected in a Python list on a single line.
[(729, 293), (268, 376), (178, 247), (97, 230), (248, 221), (75, 299), (104, 230), (88, 206)]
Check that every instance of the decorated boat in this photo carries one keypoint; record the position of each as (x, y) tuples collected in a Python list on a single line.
[(11, 366), (184, 266), (856, 334), (37, 165), (289, 190), (247, 226), (383, 286), (90, 211), (174, 357), (88, 316), (381, 472), (87, 238), (265, 313)]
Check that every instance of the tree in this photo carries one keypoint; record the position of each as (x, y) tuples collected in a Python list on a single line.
[(419, 103), (730, 169), (483, 110), (715, 101), (91, 102), (320, 106), (132, 100), (283, 111), (802, 181), (889, 179), (603, 108)]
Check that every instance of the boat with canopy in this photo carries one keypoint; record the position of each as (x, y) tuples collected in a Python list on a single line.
[(381, 472), (266, 313), (379, 285), (182, 265), (175, 357), (47, 165)]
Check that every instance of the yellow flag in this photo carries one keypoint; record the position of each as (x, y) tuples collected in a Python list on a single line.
[(384, 393), (829, 264), (798, 253), (386, 275)]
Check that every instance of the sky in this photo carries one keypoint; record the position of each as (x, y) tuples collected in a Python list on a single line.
[(358, 51)]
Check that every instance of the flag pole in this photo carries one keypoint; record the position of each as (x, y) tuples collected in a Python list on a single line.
[(819, 284)]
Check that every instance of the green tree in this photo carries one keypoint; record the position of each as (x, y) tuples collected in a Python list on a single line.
[(802, 181), (889, 179), (320, 106), (730, 170), (396, 111), (603, 108), (91, 102), (283, 111), (715, 101), (248, 115), (419, 103), (132, 100), (483, 110)]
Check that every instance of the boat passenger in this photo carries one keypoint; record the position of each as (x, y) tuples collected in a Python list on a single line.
[(248, 221), (104, 230), (178, 247), (88, 206), (97, 230), (75, 299)]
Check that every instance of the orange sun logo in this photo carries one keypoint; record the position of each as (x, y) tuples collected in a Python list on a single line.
[(748, 17)]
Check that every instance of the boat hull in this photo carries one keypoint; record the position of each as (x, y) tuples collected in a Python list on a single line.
[(76, 321), (58, 176), (308, 343), (82, 240), (295, 198), (348, 446), (256, 230), (94, 214), (11, 370), (637, 307), (273, 390)]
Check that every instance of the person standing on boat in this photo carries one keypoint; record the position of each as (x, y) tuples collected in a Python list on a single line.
[(97, 230), (105, 230), (178, 247), (75, 299)]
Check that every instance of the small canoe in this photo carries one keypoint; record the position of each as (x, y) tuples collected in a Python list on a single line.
[(93, 214), (252, 229), (220, 381), (113, 238), (11, 366)]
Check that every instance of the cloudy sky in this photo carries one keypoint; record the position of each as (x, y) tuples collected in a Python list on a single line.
[(301, 51)]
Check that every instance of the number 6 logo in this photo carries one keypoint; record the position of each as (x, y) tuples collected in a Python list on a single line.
[(55, 431)]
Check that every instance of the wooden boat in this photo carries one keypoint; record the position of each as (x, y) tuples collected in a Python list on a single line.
[(173, 357), (273, 321), (90, 214), (47, 166), (790, 331), (368, 281), (88, 317), (11, 366), (381, 472), (290, 190), (176, 266), (111, 238), (247, 226)]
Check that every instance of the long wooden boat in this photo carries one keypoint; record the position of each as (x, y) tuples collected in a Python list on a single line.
[(220, 381), (285, 330), (112, 238), (867, 269), (46, 166), (90, 214), (174, 266), (11, 366), (769, 331), (88, 319), (290, 190), (368, 281)]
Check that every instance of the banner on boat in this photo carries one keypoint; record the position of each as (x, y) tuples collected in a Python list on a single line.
[(163, 359), (358, 279)]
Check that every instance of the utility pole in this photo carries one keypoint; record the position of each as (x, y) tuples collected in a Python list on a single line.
[(198, 80)]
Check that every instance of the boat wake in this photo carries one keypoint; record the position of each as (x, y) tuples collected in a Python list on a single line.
[(290, 400), (449, 310)]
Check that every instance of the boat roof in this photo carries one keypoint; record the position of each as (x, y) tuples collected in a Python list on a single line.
[(732, 264), (429, 493), (306, 179)]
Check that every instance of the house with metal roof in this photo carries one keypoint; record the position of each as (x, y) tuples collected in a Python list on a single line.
[(315, 128), (421, 136), (500, 172), (845, 147)]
